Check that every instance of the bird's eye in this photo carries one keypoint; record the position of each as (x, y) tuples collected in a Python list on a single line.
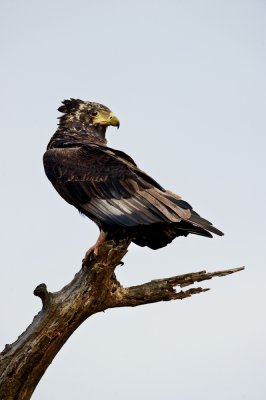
[(94, 113)]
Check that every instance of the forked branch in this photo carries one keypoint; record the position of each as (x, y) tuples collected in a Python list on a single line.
[(164, 289), (93, 289)]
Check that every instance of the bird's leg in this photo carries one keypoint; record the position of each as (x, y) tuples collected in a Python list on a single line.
[(94, 250)]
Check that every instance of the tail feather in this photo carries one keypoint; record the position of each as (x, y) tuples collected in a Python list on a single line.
[(203, 223), (195, 218)]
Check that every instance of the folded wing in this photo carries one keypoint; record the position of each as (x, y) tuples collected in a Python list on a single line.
[(108, 187)]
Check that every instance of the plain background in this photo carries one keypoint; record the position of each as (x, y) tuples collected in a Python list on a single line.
[(187, 80)]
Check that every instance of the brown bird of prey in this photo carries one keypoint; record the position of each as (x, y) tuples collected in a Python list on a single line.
[(107, 186)]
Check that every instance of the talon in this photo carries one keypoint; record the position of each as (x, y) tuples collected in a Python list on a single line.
[(94, 250), (90, 254)]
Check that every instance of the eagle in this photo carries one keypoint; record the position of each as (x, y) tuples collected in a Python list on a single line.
[(107, 186)]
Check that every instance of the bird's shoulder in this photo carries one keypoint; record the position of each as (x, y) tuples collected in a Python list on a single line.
[(93, 162), (86, 152), (87, 161)]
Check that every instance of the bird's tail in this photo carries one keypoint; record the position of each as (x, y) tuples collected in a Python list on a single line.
[(195, 219)]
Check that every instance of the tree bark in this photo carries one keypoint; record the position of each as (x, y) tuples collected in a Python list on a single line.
[(93, 289)]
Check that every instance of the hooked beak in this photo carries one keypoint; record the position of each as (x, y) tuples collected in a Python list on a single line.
[(114, 121), (106, 118)]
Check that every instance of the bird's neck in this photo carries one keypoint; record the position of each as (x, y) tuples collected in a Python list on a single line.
[(76, 134)]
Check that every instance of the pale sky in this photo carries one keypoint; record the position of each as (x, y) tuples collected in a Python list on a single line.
[(187, 81)]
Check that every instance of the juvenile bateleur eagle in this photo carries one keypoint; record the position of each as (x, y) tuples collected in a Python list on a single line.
[(107, 186)]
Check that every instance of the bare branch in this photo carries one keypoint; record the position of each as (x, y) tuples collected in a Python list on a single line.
[(164, 289), (93, 289)]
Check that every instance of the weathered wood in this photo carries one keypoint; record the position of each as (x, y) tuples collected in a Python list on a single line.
[(164, 289), (93, 289)]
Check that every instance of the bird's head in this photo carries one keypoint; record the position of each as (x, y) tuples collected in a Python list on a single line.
[(85, 114)]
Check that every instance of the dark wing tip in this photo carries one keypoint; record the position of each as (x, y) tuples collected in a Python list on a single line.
[(203, 223), (215, 230)]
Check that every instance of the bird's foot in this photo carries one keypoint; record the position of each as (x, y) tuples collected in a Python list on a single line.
[(93, 251)]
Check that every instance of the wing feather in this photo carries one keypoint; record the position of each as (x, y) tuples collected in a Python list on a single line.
[(107, 186)]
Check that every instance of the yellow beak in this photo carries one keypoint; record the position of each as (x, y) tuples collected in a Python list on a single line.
[(106, 118)]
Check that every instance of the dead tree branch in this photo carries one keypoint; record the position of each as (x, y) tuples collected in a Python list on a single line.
[(164, 289), (93, 289)]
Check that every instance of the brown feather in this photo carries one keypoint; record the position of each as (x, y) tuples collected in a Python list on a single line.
[(107, 186)]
